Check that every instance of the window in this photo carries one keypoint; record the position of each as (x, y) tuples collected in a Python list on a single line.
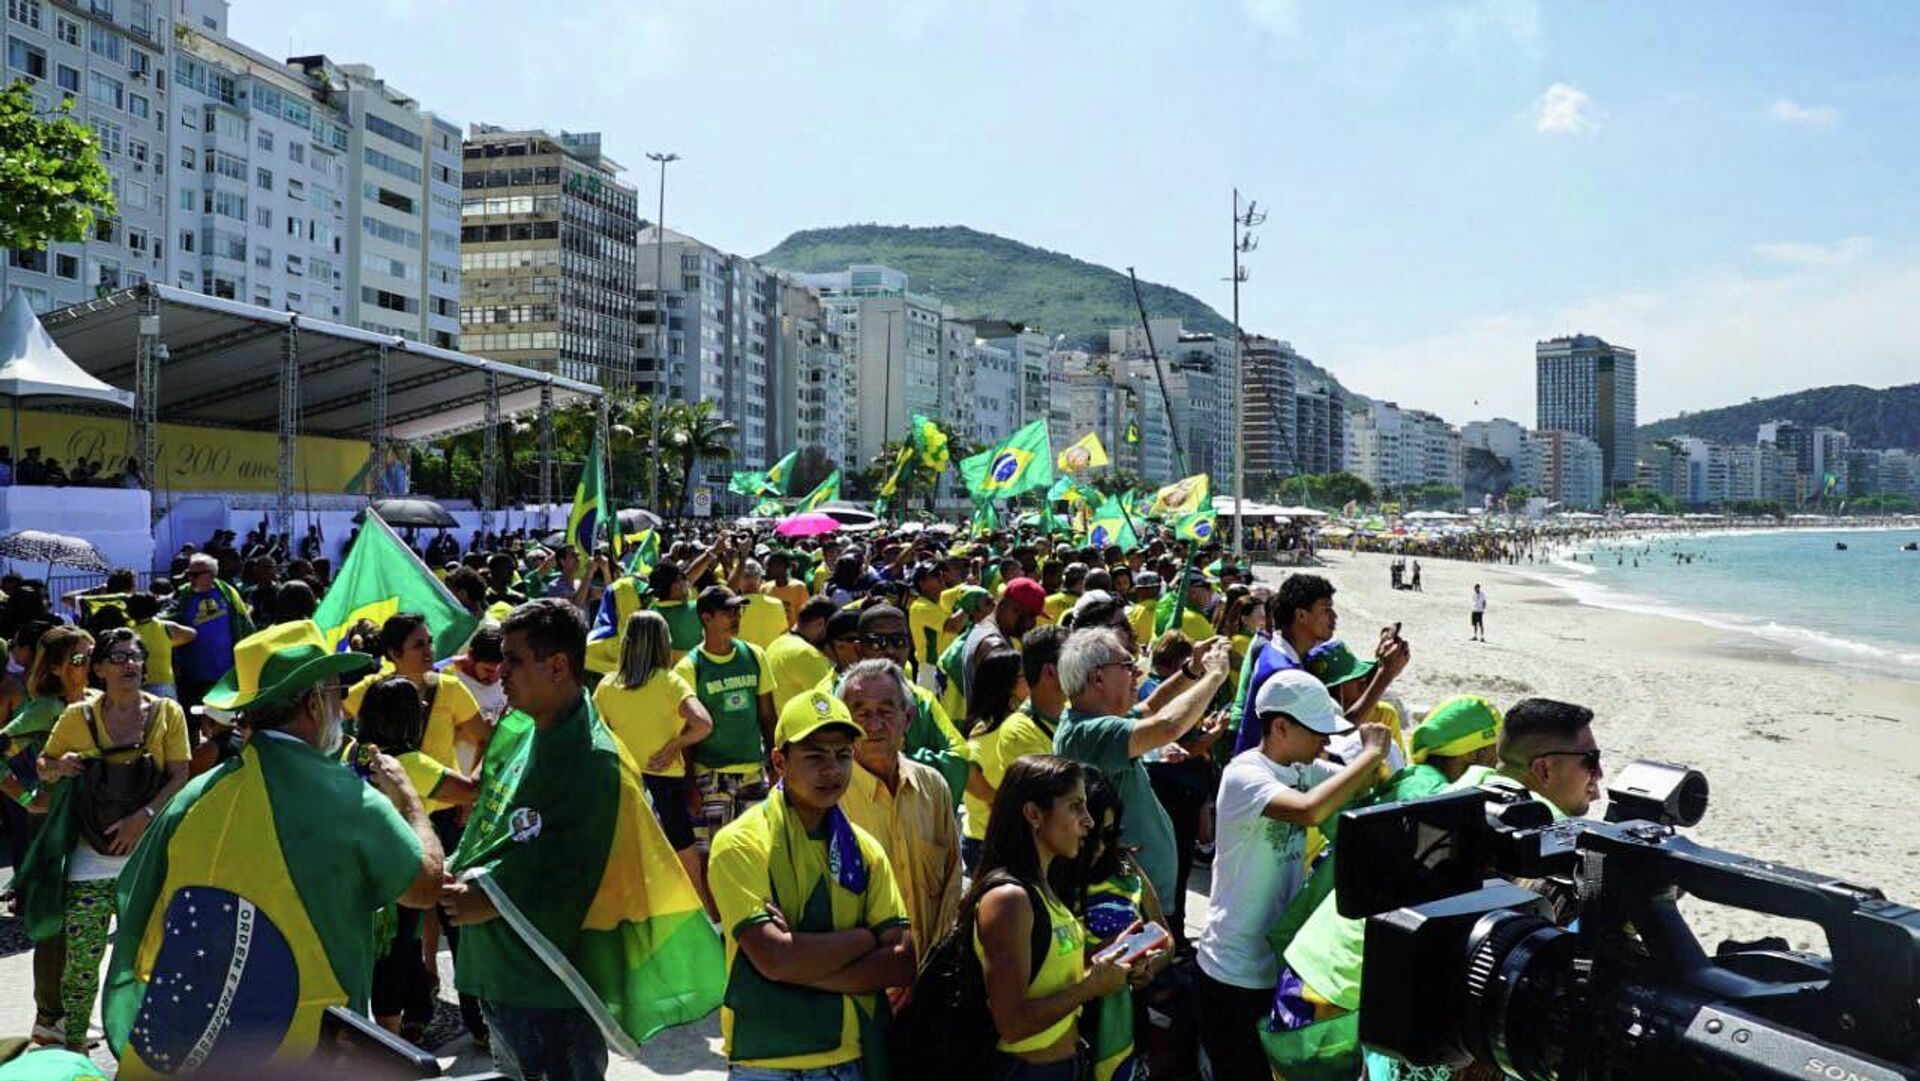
[(139, 63), (110, 134), (296, 151), (263, 138), (67, 31), (190, 117), (28, 260), (137, 240), (263, 299), (227, 204), (263, 216), (140, 14), (137, 107), (188, 200), (296, 190), (66, 266), (295, 227), (388, 130), (229, 166), (263, 256), (105, 42), (136, 150), (186, 240), (24, 11), (189, 158), (67, 79), (103, 7), (382, 162), (263, 179), (106, 90), (30, 59), (138, 194)]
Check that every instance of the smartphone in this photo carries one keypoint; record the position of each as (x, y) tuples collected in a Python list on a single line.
[(1130, 948), (1396, 630)]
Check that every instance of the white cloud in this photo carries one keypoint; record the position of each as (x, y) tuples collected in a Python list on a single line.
[(1714, 338), (1281, 18), (1801, 254), (1564, 110), (1789, 111)]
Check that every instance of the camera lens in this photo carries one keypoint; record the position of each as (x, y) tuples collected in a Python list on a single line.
[(1519, 993)]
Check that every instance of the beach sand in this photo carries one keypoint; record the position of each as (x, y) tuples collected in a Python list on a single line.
[(1811, 765)]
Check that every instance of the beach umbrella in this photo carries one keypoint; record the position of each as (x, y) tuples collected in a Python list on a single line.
[(633, 520), (412, 511), (37, 546), (847, 514), (806, 524)]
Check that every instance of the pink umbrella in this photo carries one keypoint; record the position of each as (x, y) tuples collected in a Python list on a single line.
[(809, 524)]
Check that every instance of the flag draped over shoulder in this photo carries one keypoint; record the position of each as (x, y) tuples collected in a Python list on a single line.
[(1083, 453), (779, 476), (589, 511), (931, 442), (382, 577), (646, 958), (1182, 497), (828, 489), (1021, 464)]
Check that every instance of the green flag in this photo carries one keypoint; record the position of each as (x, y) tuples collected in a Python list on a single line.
[(828, 489), (645, 553), (1110, 526), (382, 577), (779, 476), (984, 518), (589, 511), (931, 442), (768, 508), (1021, 464), (899, 467), (746, 482)]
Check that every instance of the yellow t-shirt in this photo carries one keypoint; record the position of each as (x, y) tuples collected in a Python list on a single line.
[(166, 732), (1020, 736), (1057, 605), (426, 775), (926, 622), (983, 751), (793, 595), (159, 647), (796, 666), (647, 717), (1065, 965), (1140, 618), (738, 873), (452, 704), (763, 619)]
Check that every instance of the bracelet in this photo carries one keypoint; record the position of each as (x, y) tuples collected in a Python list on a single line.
[(1188, 671), (26, 796)]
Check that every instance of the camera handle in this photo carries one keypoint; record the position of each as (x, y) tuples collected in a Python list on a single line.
[(1870, 1001)]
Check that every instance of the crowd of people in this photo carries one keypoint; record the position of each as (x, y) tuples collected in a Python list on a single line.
[(879, 762), (32, 469)]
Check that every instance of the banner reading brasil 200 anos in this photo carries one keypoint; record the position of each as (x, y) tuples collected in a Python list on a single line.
[(199, 459)]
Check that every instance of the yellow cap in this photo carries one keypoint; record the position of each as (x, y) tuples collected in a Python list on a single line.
[(809, 712)]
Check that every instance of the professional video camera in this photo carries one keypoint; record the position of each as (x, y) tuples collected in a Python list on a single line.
[(1464, 964)]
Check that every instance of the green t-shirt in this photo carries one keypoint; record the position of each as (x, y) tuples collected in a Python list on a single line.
[(1101, 742), (569, 775), (683, 624), (730, 688)]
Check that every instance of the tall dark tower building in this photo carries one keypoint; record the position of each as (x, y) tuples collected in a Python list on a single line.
[(1584, 385)]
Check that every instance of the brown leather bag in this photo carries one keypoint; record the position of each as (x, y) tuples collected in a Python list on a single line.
[(114, 790)]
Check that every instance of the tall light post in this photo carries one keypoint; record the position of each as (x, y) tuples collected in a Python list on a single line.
[(659, 328), (1243, 242)]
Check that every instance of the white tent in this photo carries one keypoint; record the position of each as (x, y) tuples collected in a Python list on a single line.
[(33, 367)]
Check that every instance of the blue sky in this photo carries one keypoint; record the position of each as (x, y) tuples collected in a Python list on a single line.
[(1728, 187)]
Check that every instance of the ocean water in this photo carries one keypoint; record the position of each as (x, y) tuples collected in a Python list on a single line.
[(1858, 607)]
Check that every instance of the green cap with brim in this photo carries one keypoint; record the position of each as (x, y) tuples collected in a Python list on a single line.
[(1333, 664), (970, 596), (279, 664), (1458, 726)]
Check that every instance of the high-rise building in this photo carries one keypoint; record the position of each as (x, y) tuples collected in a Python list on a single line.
[(896, 352), (1572, 468), (549, 254), (1709, 472), (1274, 447), (813, 411), (401, 257), (1583, 384), (1201, 390), (728, 325), (111, 61), (1043, 377), (1320, 431)]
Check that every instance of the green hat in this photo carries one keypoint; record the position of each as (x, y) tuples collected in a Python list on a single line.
[(970, 596), (1457, 726), (280, 663), (809, 712), (1332, 663)]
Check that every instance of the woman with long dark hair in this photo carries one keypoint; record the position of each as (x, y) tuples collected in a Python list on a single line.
[(1038, 823), (999, 687)]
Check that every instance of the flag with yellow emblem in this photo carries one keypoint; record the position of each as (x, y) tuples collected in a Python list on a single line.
[(1182, 497), (382, 577), (1021, 464), (1083, 453)]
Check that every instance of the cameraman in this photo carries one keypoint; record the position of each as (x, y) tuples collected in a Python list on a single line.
[(1546, 747)]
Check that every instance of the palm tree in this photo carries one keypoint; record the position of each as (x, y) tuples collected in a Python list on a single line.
[(692, 433)]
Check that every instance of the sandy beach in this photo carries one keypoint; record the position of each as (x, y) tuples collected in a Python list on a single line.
[(1812, 765)]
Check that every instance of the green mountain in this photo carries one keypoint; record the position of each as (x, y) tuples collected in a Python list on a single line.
[(984, 276), (1873, 418)]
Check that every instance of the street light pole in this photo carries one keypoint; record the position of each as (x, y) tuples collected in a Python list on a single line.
[(659, 328)]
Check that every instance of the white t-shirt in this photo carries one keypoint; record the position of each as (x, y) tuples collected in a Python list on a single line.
[(492, 700), (1479, 601), (1259, 864)]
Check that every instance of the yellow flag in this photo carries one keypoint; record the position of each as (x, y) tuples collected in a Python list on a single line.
[(1084, 453)]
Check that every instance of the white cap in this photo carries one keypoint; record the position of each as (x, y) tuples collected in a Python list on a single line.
[(1088, 599), (1303, 698)]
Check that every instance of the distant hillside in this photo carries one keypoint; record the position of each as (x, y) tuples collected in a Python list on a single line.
[(990, 277), (1873, 418)]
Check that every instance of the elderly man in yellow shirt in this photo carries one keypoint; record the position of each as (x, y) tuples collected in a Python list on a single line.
[(906, 806)]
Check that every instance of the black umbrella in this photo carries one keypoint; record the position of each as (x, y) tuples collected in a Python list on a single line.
[(412, 512), (849, 514), (35, 546), (633, 520)]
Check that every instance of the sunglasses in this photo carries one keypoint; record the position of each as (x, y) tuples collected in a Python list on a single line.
[(80, 660), (885, 641), (1589, 760), (126, 657)]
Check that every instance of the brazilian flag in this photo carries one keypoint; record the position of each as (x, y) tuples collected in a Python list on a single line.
[(984, 518), (746, 482), (381, 577), (828, 489), (238, 928), (1198, 527), (646, 958), (1021, 464), (1110, 526), (644, 554), (1187, 496), (931, 442), (779, 476), (589, 511)]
